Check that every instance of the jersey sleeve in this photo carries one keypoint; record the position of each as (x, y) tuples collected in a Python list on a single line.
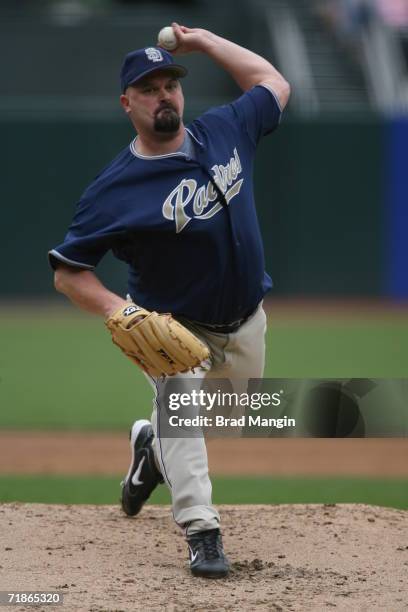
[(90, 236), (257, 112)]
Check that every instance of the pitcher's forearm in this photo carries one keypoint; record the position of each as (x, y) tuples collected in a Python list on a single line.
[(86, 291), (245, 67)]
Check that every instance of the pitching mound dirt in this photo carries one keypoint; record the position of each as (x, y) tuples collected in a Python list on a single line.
[(302, 557)]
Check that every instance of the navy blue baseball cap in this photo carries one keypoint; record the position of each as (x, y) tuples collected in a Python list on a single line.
[(141, 62)]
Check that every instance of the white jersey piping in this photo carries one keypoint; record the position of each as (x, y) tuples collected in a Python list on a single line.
[(134, 152), (274, 95), (71, 262)]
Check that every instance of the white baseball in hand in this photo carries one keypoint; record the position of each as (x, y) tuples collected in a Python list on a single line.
[(167, 39)]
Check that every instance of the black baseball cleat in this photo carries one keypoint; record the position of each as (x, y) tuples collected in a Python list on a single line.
[(207, 558), (143, 475)]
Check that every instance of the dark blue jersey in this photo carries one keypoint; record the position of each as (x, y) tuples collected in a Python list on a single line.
[(186, 226)]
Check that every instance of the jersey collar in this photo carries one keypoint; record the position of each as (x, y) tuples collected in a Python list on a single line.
[(134, 152)]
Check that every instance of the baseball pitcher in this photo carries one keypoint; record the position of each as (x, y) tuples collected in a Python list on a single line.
[(177, 206)]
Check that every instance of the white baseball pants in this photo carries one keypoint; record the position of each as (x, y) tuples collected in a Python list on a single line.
[(183, 461)]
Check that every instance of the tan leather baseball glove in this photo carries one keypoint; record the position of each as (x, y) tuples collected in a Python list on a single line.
[(155, 342)]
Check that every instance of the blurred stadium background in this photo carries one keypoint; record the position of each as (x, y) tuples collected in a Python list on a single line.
[(331, 192)]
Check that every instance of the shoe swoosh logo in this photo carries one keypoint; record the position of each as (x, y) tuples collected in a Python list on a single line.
[(135, 477), (193, 557)]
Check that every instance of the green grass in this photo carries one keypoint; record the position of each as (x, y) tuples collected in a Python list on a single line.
[(226, 490), (66, 374), (355, 348)]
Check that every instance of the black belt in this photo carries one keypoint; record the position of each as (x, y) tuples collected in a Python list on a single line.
[(224, 328)]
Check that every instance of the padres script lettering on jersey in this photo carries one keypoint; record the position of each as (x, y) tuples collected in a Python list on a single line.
[(175, 204)]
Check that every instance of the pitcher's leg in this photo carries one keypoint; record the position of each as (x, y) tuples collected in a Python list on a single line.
[(184, 465), (244, 360), (245, 351)]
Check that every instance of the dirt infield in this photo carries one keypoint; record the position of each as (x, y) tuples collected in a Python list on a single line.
[(299, 558), (284, 558), (302, 558), (108, 454)]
